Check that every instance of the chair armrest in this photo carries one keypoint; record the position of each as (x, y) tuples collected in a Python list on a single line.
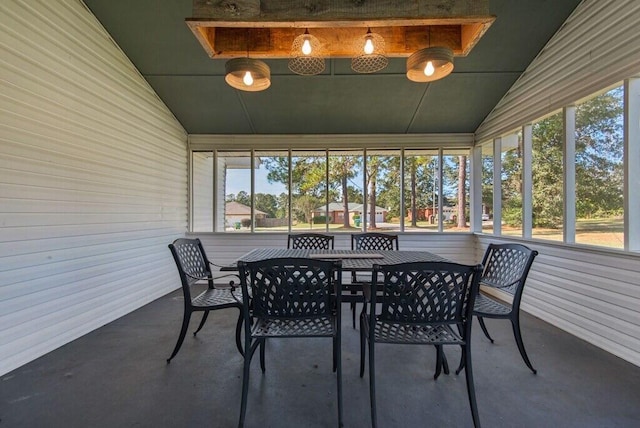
[(213, 278)]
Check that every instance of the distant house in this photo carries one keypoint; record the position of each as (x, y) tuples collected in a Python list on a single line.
[(235, 212), (336, 212)]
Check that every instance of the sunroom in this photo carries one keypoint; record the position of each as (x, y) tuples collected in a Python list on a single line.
[(119, 134)]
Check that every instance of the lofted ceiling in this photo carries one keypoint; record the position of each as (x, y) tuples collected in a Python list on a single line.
[(156, 38)]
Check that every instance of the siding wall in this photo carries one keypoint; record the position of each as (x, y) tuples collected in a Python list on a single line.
[(93, 180), (591, 293), (599, 45)]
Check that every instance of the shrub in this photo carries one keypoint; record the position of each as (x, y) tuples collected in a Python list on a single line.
[(246, 222), (320, 219)]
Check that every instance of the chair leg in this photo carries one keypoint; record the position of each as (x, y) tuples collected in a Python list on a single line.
[(239, 332), (362, 347), (262, 345), (461, 365), (445, 363), (372, 385), (202, 321), (515, 322), (338, 354), (441, 362), (484, 329), (438, 362), (183, 332), (250, 349), (353, 314), (334, 353), (471, 391)]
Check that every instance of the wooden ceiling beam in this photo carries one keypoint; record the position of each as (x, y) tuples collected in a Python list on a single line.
[(267, 28)]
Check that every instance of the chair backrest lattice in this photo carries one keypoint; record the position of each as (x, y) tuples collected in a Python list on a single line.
[(506, 266), (374, 241), (191, 260), (310, 241), (291, 287), (426, 292)]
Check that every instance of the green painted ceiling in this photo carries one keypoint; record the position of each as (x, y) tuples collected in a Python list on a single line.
[(153, 34)]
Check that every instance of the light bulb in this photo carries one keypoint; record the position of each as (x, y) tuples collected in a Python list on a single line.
[(306, 47), (429, 69), (248, 78), (368, 46)]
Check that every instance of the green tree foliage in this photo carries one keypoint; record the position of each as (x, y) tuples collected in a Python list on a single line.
[(267, 203), (487, 181), (511, 183), (303, 207), (547, 172), (599, 152)]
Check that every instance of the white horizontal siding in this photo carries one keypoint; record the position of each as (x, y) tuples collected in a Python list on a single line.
[(599, 45), (93, 180), (593, 294)]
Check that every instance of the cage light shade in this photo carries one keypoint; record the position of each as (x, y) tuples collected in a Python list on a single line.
[(441, 59), (307, 55), (237, 69), (372, 60)]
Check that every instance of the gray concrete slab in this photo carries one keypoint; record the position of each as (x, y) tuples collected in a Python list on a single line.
[(117, 376)]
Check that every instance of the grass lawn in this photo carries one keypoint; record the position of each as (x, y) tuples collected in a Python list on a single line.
[(603, 232)]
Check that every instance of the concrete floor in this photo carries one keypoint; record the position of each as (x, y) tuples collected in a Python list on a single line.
[(117, 376)]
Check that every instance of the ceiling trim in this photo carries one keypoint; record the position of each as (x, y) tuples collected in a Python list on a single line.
[(321, 141)]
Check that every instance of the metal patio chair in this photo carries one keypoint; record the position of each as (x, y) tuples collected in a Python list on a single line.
[(423, 303), (290, 298), (194, 267), (365, 241), (310, 241), (506, 267)]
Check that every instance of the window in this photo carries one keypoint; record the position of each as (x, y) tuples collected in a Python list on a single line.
[(455, 190), (597, 218), (308, 191), (234, 197), (337, 190), (346, 194), (383, 190), (421, 190), (271, 200), (487, 187), (599, 170), (511, 182), (548, 178)]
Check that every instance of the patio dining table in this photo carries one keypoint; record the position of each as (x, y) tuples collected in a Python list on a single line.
[(352, 260)]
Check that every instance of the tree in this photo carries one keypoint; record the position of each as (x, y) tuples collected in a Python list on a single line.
[(547, 171), (373, 167), (267, 203), (599, 150), (304, 205), (462, 194), (341, 169)]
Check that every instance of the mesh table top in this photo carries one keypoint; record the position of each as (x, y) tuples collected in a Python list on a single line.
[(352, 260)]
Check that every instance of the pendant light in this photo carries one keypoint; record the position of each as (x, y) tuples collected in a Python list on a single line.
[(371, 54), (247, 74), (429, 64), (307, 55)]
